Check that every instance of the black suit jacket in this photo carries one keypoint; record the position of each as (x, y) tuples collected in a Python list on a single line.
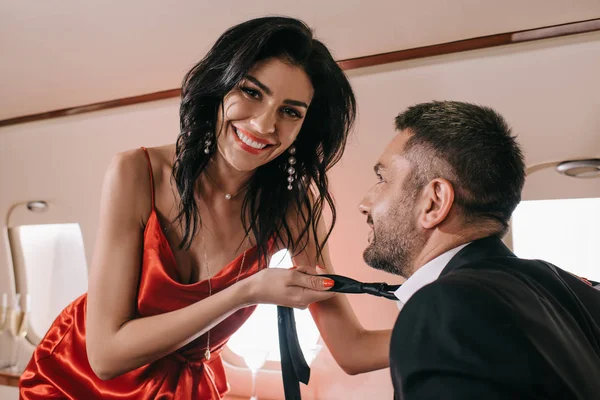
[(494, 326)]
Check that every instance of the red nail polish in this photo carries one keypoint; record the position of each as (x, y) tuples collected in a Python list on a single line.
[(328, 283)]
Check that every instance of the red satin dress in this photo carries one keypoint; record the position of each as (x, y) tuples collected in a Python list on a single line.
[(59, 367)]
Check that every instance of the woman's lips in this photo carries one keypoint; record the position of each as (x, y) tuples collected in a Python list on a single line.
[(250, 147)]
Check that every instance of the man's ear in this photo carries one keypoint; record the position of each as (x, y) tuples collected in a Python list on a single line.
[(437, 198)]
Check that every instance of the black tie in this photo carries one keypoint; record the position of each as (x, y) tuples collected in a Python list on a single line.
[(343, 284), (293, 365)]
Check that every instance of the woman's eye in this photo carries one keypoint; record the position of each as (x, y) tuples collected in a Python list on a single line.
[(255, 94), (291, 112)]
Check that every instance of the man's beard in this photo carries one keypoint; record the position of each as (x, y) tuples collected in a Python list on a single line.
[(395, 243)]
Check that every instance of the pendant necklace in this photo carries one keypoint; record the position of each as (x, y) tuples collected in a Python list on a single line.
[(228, 196), (246, 239)]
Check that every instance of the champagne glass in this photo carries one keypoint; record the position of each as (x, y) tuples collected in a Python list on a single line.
[(4, 311), (255, 359), (18, 328)]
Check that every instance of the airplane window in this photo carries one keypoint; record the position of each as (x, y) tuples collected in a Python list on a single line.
[(259, 335), (564, 232), (50, 266)]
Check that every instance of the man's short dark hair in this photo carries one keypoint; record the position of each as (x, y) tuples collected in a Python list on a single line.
[(472, 147)]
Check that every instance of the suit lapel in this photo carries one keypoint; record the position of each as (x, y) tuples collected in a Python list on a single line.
[(478, 250)]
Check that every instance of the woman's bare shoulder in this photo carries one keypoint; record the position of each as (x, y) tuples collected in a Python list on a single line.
[(127, 177), (162, 159), (133, 164), (160, 156), (127, 183), (127, 167), (163, 154)]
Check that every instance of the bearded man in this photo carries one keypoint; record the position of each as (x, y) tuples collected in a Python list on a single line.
[(476, 322)]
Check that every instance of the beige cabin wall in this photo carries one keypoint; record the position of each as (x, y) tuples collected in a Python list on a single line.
[(549, 91)]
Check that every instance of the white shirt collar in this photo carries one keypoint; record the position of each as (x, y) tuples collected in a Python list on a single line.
[(425, 275)]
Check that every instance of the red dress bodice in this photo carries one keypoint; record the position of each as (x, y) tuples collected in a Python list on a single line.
[(59, 367)]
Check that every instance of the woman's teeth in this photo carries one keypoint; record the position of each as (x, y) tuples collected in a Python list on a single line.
[(249, 141)]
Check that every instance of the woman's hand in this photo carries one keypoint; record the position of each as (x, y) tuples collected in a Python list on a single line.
[(295, 287)]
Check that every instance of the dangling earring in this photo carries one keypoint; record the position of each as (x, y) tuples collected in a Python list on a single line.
[(207, 144), (291, 170)]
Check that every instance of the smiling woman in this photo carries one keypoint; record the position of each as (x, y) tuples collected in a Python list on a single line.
[(274, 93), (186, 229)]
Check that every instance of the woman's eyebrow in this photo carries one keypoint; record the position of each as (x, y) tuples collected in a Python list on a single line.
[(269, 92)]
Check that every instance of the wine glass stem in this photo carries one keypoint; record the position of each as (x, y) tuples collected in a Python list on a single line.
[(15, 364), (3, 357), (254, 384)]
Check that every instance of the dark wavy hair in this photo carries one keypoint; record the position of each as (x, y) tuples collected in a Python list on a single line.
[(320, 142)]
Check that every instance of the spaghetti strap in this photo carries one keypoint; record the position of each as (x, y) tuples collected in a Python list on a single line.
[(151, 175)]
